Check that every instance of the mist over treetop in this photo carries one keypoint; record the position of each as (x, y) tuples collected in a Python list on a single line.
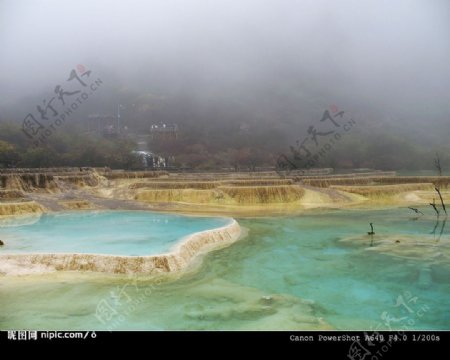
[(269, 68)]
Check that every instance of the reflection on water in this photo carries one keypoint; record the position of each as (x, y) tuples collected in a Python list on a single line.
[(288, 273), (443, 222)]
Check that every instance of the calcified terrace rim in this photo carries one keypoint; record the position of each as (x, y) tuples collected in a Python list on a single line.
[(177, 259)]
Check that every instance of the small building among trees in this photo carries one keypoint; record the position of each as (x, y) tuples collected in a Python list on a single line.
[(164, 132)]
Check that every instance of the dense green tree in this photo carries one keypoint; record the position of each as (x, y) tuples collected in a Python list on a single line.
[(9, 157)]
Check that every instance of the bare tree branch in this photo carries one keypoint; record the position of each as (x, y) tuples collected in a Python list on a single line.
[(433, 204), (417, 211), (437, 163), (440, 197)]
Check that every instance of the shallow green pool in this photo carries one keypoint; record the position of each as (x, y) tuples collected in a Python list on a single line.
[(288, 273)]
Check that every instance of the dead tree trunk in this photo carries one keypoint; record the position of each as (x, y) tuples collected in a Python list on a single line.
[(442, 200)]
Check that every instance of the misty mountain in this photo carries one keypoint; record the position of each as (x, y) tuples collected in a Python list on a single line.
[(254, 74)]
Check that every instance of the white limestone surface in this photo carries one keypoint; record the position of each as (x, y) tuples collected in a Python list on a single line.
[(177, 259)]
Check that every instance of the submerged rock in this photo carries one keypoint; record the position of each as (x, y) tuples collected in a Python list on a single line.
[(2, 243), (266, 300), (425, 280), (292, 280)]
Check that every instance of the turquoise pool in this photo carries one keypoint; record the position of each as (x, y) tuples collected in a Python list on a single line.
[(288, 273), (132, 233)]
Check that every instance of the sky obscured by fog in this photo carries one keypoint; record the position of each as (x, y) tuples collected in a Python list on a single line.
[(390, 54)]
